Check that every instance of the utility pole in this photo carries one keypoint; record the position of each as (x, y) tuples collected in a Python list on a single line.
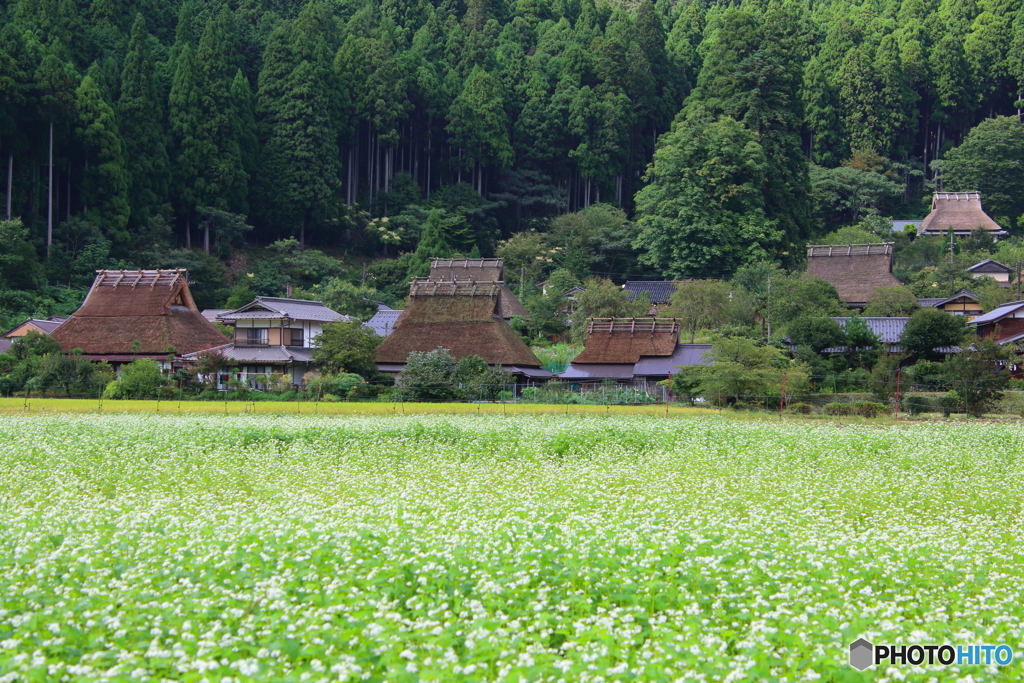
[(1018, 280), (522, 281)]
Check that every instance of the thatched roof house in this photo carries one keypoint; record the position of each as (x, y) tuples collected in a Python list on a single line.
[(614, 346), (479, 270), (855, 270), (461, 316), (132, 314), (961, 211)]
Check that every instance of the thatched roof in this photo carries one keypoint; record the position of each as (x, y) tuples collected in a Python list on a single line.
[(463, 317), (855, 270), (624, 340), (478, 270), (151, 307), (958, 210)]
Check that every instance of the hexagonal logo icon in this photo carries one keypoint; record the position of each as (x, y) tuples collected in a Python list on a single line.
[(861, 654)]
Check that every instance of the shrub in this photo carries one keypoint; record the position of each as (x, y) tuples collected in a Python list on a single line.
[(800, 408), (859, 408), (915, 404), (952, 402)]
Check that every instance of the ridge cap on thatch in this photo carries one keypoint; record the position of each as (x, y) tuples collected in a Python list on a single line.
[(853, 249), (436, 287)]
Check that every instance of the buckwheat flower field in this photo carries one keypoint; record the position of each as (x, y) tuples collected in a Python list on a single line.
[(519, 548)]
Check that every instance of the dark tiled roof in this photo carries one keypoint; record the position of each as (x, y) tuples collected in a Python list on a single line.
[(888, 330), (660, 291), (383, 321), (998, 313), (685, 354), (5, 344), (212, 313), (267, 307), (989, 266)]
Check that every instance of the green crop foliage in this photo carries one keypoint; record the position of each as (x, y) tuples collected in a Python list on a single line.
[(576, 547)]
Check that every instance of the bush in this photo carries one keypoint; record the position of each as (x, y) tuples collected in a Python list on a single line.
[(859, 408), (915, 404), (952, 402), (800, 408)]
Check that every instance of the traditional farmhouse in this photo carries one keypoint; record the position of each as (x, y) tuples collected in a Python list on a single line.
[(1004, 275), (131, 314), (1005, 323), (479, 270), (962, 303), (633, 351), (463, 316), (855, 270), (383, 321), (274, 336), (961, 212)]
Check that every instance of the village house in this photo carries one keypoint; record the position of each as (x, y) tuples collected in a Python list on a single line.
[(962, 303), (960, 212), (637, 352), (130, 314), (1002, 274), (273, 335), (1005, 323), (855, 270), (31, 325), (464, 317)]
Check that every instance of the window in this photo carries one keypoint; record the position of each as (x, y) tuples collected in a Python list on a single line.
[(256, 336), (296, 338)]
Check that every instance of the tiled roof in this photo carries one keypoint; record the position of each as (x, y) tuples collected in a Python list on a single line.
[(998, 313), (5, 344), (44, 326), (685, 354), (989, 266), (383, 321), (889, 330), (212, 313), (660, 291), (930, 302), (598, 371), (267, 307), (270, 354)]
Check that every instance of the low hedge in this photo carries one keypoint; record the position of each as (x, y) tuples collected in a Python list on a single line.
[(858, 408)]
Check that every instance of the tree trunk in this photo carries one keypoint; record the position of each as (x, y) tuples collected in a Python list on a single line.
[(206, 235), (49, 195), (302, 232), (10, 181), (188, 232)]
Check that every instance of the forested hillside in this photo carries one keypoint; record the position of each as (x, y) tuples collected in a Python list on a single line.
[(161, 133)]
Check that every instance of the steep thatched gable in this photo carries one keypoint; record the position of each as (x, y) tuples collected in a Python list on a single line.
[(463, 317), (855, 270), (479, 270), (142, 312)]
